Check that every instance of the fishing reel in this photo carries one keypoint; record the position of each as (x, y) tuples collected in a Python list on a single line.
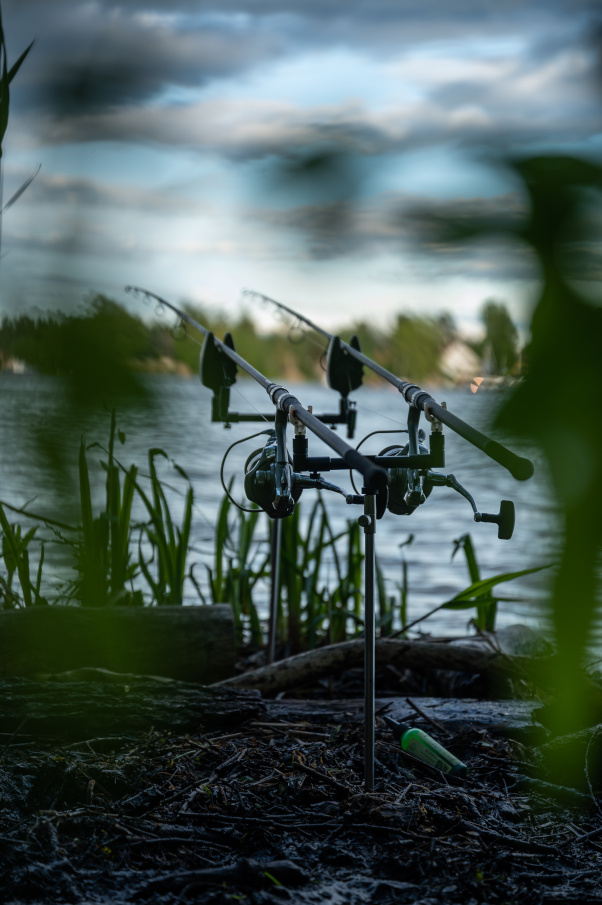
[(410, 488), (269, 483), (407, 486), (410, 485)]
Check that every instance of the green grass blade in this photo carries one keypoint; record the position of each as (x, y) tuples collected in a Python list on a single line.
[(85, 498), (158, 539), (121, 571), (465, 542), (37, 597), (158, 590), (221, 538), (466, 598), (12, 543), (16, 66), (182, 552)]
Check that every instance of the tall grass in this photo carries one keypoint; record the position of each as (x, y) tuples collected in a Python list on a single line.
[(119, 561), (321, 580), (388, 604), (169, 542), (109, 550), (239, 564), (103, 561), (15, 553), (485, 603), (478, 594)]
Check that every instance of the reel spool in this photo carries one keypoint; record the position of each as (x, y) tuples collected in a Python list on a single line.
[(269, 484), (405, 495)]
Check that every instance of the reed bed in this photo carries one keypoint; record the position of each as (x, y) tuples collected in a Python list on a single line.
[(118, 560)]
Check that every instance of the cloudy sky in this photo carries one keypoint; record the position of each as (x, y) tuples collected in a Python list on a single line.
[(185, 147)]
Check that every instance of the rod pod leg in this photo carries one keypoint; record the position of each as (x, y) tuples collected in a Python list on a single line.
[(368, 522), (275, 546)]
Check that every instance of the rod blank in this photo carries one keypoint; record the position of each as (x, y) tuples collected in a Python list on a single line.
[(375, 477), (519, 467)]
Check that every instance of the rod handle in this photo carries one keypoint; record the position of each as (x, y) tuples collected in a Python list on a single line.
[(519, 467)]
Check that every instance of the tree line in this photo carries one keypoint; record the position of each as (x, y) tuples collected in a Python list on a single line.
[(64, 344)]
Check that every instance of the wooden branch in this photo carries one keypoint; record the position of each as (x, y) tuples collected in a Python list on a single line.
[(306, 668)]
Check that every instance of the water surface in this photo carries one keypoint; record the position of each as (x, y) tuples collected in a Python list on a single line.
[(33, 407)]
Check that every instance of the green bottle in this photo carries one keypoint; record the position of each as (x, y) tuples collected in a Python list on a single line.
[(421, 746)]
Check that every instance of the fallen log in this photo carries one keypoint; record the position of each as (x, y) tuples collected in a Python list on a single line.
[(306, 668), (124, 706), (191, 643), (94, 704)]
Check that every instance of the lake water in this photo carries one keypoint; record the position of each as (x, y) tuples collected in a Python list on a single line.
[(180, 424)]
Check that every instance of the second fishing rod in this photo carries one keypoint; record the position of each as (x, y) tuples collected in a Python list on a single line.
[(417, 398)]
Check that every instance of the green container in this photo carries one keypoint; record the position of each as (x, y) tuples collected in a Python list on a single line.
[(421, 746)]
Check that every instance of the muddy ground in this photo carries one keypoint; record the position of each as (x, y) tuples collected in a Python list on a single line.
[(265, 807)]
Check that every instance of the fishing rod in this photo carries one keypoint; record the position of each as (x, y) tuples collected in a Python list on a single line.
[(271, 483), (218, 373), (519, 467), (217, 370), (288, 406)]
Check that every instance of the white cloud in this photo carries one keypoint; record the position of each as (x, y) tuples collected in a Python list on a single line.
[(177, 105)]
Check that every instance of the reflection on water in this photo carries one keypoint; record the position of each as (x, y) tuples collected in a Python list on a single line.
[(31, 405)]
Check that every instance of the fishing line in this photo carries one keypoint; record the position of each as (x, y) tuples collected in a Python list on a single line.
[(284, 318), (400, 430), (297, 324), (161, 310), (367, 408), (307, 336), (285, 314), (221, 470), (182, 325), (248, 401), (296, 334)]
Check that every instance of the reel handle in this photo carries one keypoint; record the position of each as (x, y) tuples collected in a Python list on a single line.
[(504, 520)]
